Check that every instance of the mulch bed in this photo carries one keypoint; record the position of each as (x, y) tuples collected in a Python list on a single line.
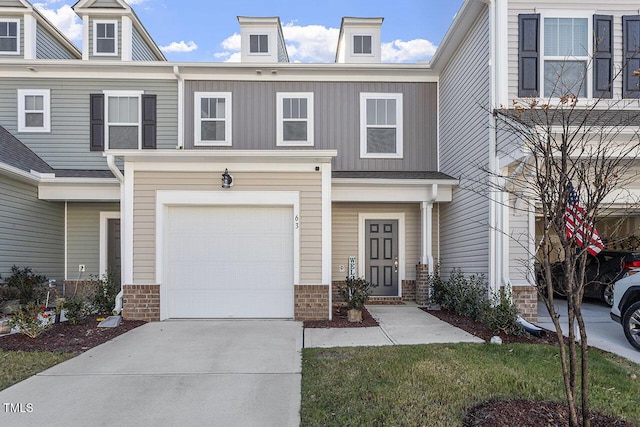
[(340, 320), (67, 338)]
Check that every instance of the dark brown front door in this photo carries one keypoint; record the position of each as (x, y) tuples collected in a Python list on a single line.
[(381, 256)]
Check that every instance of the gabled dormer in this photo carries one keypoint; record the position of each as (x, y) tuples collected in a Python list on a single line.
[(359, 41), (26, 34), (261, 40), (113, 32)]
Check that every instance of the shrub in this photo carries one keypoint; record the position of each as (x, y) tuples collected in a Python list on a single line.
[(76, 309), (355, 292), (503, 316), (31, 320), (30, 285), (8, 293), (469, 297), (105, 290)]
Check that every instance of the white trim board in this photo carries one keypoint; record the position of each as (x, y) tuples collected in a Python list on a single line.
[(104, 238)]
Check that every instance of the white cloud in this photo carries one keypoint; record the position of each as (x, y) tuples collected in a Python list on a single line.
[(64, 18), (410, 51), (134, 2), (310, 43), (179, 47), (231, 43)]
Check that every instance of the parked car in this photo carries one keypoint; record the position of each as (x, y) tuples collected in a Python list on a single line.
[(626, 307), (601, 273)]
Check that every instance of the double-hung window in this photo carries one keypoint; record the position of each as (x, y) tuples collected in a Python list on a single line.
[(566, 52), (258, 43), (105, 38), (294, 119), (212, 118), (34, 110), (381, 125), (9, 36), (362, 45), (123, 130)]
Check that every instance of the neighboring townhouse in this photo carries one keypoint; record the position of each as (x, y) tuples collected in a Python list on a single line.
[(510, 50), (330, 169)]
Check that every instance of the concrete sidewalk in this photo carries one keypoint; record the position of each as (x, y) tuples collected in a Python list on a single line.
[(172, 373), (399, 324)]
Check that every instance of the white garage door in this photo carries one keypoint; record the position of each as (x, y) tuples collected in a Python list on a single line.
[(229, 261)]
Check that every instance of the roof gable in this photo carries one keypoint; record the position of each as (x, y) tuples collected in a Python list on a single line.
[(86, 4), (18, 155)]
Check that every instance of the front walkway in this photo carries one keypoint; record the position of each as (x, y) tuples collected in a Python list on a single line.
[(399, 325)]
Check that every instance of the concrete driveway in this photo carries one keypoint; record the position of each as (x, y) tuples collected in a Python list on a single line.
[(171, 373), (602, 332)]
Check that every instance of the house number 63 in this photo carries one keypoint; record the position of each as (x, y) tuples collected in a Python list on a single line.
[(297, 224)]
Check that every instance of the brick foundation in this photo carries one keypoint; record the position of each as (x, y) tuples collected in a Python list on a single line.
[(422, 284), (408, 293), (141, 302), (526, 299), (408, 290), (311, 302)]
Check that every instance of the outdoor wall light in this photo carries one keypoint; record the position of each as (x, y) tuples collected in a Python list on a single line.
[(227, 180)]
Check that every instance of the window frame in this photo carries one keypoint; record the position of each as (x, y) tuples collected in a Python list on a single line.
[(17, 51), (46, 110), (398, 97), (107, 124), (96, 22), (197, 131), (280, 97), (353, 40), (259, 45), (588, 81)]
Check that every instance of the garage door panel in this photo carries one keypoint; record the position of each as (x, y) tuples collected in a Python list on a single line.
[(229, 262)]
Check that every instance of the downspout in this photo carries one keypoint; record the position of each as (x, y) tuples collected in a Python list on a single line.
[(176, 71), (111, 162)]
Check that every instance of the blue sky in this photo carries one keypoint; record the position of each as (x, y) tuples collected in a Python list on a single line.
[(208, 31)]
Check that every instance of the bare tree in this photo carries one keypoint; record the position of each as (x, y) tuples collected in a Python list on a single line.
[(577, 159)]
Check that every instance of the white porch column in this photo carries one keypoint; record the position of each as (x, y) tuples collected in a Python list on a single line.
[(426, 257)]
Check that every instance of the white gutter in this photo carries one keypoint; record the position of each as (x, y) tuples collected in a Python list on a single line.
[(111, 162), (176, 71)]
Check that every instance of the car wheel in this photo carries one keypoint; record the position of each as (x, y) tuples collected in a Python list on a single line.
[(631, 324), (607, 294)]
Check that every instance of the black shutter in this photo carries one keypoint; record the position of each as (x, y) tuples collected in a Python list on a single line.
[(602, 56), (148, 121), (630, 56), (529, 55), (96, 116)]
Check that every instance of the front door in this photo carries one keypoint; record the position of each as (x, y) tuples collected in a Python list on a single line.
[(381, 256), (113, 249)]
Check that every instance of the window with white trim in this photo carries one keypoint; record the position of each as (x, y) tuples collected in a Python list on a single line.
[(295, 119), (566, 51), (381, 125), (34, 110), (9, 36), (105, 38), (122, 124), (258, 43), (212, 118), (362, 45)]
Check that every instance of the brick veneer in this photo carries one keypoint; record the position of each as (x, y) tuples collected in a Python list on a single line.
[(422, 284), (408, 292), (526, 299), (311, 302), (141, 302)]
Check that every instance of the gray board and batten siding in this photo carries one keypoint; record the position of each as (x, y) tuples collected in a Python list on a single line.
[(336, 121), (32, 230), (47, 47), (464, 148), (67, 145)]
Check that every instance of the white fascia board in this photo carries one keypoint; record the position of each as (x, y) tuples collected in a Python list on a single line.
[(258, 156), (233, 167), (73, 68), (75, 191), (18, 174), (397, 193)]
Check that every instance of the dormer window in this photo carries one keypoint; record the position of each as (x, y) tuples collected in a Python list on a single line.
[(258, 43), (362, 45), (9, 31), (105, 41)]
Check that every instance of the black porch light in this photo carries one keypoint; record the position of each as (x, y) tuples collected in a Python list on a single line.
[(227, 180)]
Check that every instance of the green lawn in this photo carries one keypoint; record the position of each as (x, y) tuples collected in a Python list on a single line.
[(16, 366), (434, 385)]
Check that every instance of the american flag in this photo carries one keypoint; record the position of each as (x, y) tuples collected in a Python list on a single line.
[(576, 223)]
